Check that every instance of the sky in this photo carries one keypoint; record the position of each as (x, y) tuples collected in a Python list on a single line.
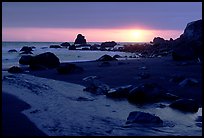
[(97, 21)]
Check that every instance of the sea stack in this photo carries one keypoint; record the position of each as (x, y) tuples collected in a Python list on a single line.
[(80, 39)]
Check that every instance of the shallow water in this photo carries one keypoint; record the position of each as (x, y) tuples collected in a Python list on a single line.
[(60, 108), (11, 59)]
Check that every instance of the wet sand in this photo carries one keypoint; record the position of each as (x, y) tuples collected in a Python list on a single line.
[(14, 123), (125, 72)]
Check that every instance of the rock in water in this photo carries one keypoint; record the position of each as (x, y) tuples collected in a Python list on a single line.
[(47, 59), (145, 93), (106, 58), (15, 69), (186, 105), (12, 50), (80, 39), (119, 92), (55, 46), (25, 60), (143, 118)]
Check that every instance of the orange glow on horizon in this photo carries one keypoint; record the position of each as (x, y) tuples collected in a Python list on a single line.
[(91, 35)]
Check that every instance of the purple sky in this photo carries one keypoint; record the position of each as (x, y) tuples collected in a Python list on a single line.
[(100, 15)]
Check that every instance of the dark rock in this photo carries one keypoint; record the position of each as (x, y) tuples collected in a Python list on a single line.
[(55, 46), (95, 86), (145, 93), (15, 69), (37, 67), (12, 50), (188, 82), (80, 39), (117, 56), (47, 59), (26, 48), (108, 44), (189, 45), (65, 44), (106, 58), (119, 92), (199, 119), (143, 118), (158, 40), (170, 97), (68, 68), (25, 60), (72, 47), (186, 105)]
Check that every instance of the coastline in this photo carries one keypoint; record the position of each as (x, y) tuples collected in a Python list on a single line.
[(125, 72)]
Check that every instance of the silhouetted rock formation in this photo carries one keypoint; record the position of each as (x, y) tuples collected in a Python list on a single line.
[(65, 44), (25, 60), (108, 44), (189, 45), (48, 60), (143, 118), (186, 105), (12, 50), (106, 58), (145, 93), (26, 50), (80, 39), (55, 46), (15, 69)]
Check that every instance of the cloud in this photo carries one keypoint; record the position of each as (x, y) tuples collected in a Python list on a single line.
[(166, 15)]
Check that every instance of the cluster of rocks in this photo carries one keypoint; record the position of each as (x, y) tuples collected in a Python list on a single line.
[(187, 47), (145, 93)]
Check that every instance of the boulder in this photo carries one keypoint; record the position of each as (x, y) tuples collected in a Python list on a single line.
[(106, 58), (189, 45), (188, 82), (26, 48), (72, 47), (12, 50), (108, 44), (68, 68), (119, 92), (170, 97), (80, 39), (25, 60), (145, 93), (65, 44), (117, 56), (158, 40), (95, 86), (186, 105), (37, 67), (143, 118), (15, 69), (47, 59), (55, 46)]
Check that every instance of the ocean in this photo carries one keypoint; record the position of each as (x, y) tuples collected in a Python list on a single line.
[(65, 55)]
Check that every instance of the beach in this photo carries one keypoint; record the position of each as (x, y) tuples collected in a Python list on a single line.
[(61, 107), (125, 72)]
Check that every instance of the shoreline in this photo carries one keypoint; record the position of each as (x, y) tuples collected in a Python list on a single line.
[(125, 72), (14, 123)]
